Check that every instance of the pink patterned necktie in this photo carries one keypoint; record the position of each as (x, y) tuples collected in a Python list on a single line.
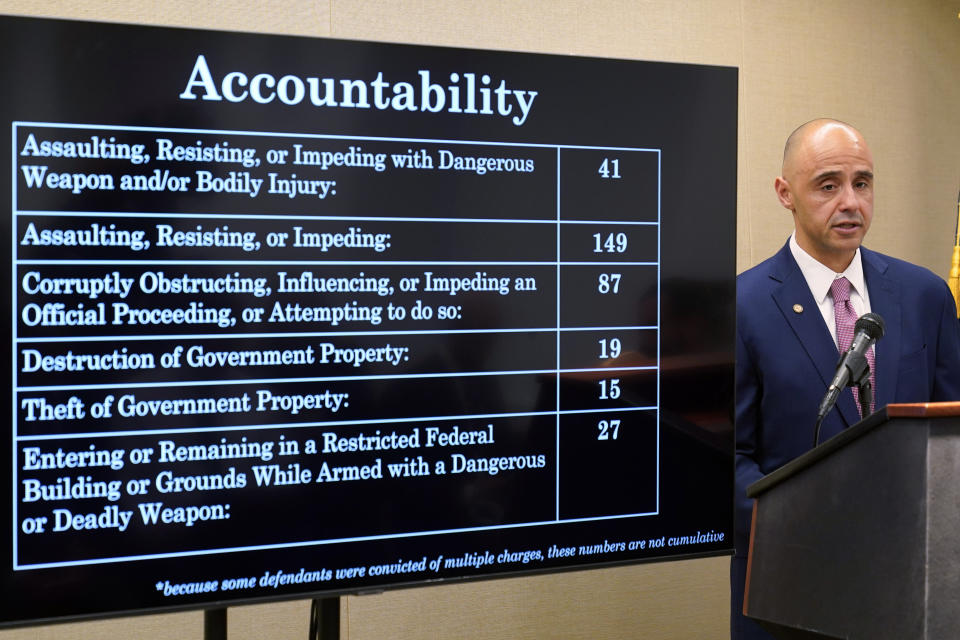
[(846, 318)]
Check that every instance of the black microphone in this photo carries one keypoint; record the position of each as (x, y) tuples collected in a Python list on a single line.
[(852, 368)]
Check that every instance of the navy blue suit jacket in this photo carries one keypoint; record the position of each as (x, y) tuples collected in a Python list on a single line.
[(786, 357)]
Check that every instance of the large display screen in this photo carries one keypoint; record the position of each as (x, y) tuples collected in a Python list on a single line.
[(294, 317)]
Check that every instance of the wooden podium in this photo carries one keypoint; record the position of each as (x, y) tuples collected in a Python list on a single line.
[(860, 537)]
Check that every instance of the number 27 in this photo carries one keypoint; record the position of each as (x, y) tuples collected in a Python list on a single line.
[(609, 429)]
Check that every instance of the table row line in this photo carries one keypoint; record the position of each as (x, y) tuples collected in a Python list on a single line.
[(78, 237), (129, 302), (233, 404), (224, 172), (356, 482), (180, 360)]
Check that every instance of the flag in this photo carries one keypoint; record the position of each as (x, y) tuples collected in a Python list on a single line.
[(954, 279)]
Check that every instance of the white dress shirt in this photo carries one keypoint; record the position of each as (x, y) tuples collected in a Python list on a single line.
[(819, 278)]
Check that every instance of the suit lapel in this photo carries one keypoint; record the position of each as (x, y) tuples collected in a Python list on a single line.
[(809, 328), (885, 301)]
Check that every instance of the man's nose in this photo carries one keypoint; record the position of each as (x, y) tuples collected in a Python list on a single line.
[(850, 199)]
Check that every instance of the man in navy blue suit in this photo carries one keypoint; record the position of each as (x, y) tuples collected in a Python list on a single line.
[(786, 333)]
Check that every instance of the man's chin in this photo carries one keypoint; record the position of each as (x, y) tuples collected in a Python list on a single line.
[(848, 241)]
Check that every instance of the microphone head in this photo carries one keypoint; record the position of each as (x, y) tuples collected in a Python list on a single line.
[(871, 324)]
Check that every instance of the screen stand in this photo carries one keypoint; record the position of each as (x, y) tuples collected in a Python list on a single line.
[(325, 619), (215, 624)]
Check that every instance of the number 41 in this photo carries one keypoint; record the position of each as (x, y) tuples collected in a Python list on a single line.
[(610, 168)]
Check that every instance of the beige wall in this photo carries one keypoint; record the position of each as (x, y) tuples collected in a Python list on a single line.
[(891, 67)]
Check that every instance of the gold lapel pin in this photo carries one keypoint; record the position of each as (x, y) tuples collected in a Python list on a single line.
[(798, 308)]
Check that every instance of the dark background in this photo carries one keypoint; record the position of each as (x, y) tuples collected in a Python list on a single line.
[(71, 72)]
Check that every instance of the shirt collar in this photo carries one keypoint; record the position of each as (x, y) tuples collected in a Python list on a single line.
[(819, 277)]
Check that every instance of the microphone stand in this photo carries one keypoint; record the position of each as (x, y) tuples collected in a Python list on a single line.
[(865, 390), (859, 376), (852, 369)]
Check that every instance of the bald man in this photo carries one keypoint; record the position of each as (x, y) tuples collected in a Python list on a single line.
[(786, 326)]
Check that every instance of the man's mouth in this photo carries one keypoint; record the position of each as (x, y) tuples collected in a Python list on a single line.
[(847, 226)]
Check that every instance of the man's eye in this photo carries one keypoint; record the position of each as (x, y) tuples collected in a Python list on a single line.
[(829, 187)]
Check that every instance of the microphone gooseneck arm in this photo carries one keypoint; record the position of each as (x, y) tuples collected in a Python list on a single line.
[(852, 369)]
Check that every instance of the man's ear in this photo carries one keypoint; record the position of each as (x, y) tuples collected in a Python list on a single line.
[(784, 194)]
